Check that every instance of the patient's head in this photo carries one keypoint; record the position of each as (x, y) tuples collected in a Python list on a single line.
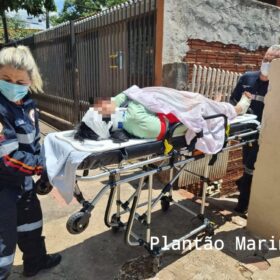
[(104, 106)]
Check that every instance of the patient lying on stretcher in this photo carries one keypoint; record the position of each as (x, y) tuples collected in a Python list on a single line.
[(148, 113)]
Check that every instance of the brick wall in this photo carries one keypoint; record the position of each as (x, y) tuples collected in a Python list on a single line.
[(234, 171), (226, 57)]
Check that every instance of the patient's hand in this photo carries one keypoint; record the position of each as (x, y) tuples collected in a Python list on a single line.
[(105, 107)]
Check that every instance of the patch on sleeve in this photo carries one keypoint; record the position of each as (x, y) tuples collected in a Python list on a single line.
[(32, 115), (2, 135)]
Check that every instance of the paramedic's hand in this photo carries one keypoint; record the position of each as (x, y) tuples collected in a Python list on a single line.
[(42, 185), (105, 107)]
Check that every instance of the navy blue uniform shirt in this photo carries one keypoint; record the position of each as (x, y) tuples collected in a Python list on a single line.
[(251, 82), (19, 141)]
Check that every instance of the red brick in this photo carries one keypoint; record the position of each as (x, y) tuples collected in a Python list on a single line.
[(229, 57)]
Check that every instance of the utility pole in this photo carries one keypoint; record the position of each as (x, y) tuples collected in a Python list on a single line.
[(47, 19)]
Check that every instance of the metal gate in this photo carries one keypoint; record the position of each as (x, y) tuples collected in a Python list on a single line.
[(98, 56)]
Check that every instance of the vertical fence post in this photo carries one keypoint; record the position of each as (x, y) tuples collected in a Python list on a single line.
[(75, 75), (159, 42)]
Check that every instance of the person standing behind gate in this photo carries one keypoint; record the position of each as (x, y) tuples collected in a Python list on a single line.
[(254, 85), (20, 210)]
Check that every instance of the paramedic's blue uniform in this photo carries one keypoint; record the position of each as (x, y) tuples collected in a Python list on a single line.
[(20, 210), (250, 82)]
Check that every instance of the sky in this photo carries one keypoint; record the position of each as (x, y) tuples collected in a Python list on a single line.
[(35, 22), (59, 4)]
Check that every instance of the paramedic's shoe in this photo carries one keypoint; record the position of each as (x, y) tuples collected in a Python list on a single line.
[(49, 261)]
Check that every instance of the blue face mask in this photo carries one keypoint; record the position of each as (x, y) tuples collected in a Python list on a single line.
[(13, 92)]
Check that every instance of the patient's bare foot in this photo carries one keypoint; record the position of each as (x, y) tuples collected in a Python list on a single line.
[(244, 103)]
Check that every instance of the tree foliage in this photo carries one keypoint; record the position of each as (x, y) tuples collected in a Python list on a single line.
[(33, 7), (17, 29), (75, 9)]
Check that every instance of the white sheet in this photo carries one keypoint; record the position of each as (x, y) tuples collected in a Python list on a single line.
[(190, 109), (97, 146)]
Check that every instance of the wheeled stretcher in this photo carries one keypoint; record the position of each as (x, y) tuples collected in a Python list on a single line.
[(144, 158)]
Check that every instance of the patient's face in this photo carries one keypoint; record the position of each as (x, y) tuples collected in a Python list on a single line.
[(104, 106)]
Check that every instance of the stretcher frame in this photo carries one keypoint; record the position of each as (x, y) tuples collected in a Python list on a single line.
[(175, 160)]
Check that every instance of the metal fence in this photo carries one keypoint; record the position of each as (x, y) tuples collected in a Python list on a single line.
[(98, 56), (212, 82)]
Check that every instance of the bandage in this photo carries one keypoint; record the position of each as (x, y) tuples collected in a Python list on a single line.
[(244, 104)]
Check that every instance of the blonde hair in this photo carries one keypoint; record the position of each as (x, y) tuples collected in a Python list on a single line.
[(21, 58)]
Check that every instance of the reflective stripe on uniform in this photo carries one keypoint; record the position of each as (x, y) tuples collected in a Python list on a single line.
[(30, 227), (29, 187), (248, 170), (26, 138), (7, 148), (8, 260), (258, 98)]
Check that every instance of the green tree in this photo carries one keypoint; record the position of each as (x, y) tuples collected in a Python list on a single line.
[(33, 7), (17, 29), (75, 9)]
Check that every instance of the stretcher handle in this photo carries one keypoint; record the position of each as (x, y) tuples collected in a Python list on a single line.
[(167, 140), (218, 116), (169, 133)]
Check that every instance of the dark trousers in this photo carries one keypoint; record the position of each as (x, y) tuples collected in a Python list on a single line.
[(250, 154), (20, 223)]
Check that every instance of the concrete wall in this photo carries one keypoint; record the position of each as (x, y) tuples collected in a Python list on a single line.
[(264, 210), (247, 23)]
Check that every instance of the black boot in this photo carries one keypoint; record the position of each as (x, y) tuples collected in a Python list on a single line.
[(244, 186), (48, 261)]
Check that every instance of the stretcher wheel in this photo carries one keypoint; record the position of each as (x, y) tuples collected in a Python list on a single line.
[(42, 187), (210, 230), (115, 220), (115, 229), (165, 203), (77, 222)]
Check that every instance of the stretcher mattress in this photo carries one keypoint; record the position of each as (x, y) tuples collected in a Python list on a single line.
[(106, 152)]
